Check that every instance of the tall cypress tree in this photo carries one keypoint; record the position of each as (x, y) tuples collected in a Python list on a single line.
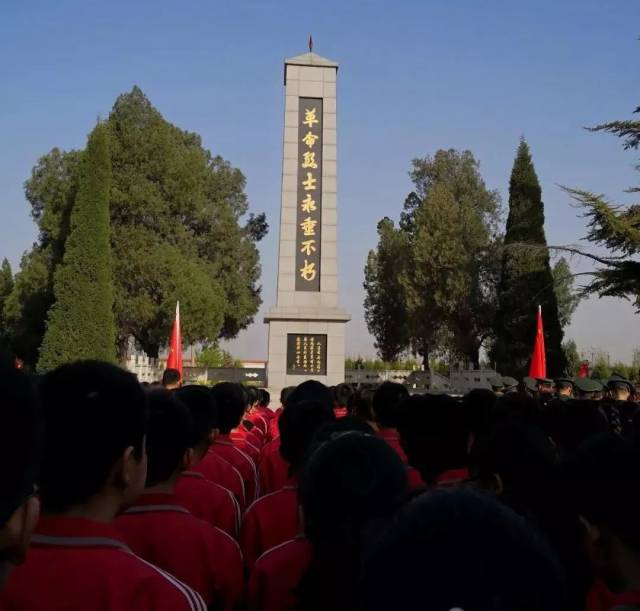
[(80, 323), (526, 279)]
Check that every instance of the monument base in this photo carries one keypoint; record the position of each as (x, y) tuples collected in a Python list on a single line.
[(305, 344)]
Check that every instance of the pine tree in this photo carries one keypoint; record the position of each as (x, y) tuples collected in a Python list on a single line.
[(81, 323), (6, 286), (526, 279)]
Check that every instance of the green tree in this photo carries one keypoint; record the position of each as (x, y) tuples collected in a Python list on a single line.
[(180, 230), (6, 286), (616, 228), (80, 323), (568, 298), (214, 356), (570, 350), (384, 305), (443, 263), (526, 280)]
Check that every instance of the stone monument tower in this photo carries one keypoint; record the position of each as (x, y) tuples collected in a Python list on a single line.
[(306, 327)]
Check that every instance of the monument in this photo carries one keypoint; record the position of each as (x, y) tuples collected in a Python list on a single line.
[(306, 327)]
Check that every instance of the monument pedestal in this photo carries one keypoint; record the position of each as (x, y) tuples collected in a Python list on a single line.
[(306, 328)]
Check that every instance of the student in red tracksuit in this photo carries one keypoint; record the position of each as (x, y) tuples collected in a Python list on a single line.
[(20, 448), (160, 530), (231, 405), (343, 509), (275, 518), (386, 401), (602, 484), (94, 465), (342, 394), (204, 499), (273, 470), (435, 436)]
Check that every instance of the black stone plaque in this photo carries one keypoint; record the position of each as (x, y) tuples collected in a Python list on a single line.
[(306, 354), (309, 204)]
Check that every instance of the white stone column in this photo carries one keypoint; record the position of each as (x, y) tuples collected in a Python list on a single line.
[(302, 311)]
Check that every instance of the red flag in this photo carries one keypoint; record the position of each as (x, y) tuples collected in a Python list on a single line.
[(174, 360), (584, 370), (538, 367)]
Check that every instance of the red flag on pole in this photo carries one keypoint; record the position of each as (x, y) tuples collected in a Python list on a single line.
[(538, 367), (174, 360), (584, 370)]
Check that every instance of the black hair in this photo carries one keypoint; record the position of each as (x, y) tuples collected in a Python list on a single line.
[(478, 405), (341, 394), (204, 412), (231, 404), (340, 425), (20, 438), (526, 461), (603, 477), (350, 487), (93, 412), (264, 397), (171, 376), (169, 434), (452, 548), (284, 394), (361, 404), (434, 434), (386, 400), (253, 394), (297, 428), (311, 390)]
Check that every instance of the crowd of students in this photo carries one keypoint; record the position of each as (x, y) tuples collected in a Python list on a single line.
[(117, 496)]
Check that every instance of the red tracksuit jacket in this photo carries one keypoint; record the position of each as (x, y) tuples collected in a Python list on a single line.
[(276, 575), (224, 447), (209, 502), (206, 558), (269, 521), (219, 471), (81, 565), (274, 470), (392, 437)]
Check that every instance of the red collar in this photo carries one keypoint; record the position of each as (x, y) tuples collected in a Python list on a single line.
[(156, 502), (192, 474), (452, 476), (75, 530), (224, 440)]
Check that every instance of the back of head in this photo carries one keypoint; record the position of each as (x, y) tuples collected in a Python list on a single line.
[(341, 394), (93, 412), (264, 397), (524, 460), (231, 405), (350, 488), (571, 422), (298, 425), (171, 378), (361, 404), (454, 549), (603, 480), (386, 400), (20, 438), (348, 424), (478, 405), (434, 434), (253, 395), (203, 409), (311, 390)]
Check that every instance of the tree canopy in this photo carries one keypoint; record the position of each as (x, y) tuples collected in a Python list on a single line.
[(563, 286), (80, 323), (431, 282), (180, 229), (526, 280), (613, 227)]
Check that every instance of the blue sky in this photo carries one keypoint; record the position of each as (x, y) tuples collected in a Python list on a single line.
[(414, 76)]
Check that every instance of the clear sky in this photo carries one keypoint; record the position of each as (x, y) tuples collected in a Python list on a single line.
[(415, 76)]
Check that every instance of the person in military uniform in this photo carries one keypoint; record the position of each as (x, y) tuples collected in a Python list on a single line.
[(621, 407), (620, 388), (588, 388), (564, 388), (509, 384), (530, 386), (497, 385)]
